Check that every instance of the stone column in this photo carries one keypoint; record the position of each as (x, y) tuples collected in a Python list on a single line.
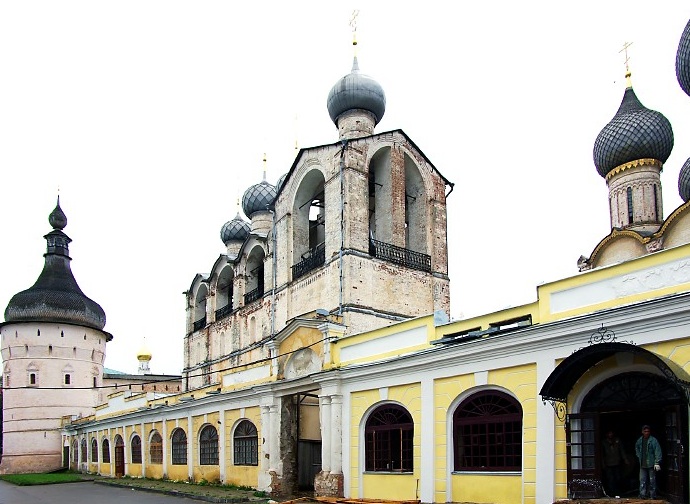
[(336, 434), (326, 427), (274, 443), (329, 482)]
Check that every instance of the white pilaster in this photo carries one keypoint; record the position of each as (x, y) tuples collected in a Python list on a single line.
[(164, 435), (428, 447), (111, 449), (190, 447), (545, 489), (144, 449), (264, 456), (221, 441)]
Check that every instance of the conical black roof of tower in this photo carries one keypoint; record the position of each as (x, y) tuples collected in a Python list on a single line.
[(56, 296)]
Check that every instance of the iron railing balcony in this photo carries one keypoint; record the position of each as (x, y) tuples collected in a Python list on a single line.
[(224, 311), (310, 261), (399, 255), (253, 295), (200, 324)]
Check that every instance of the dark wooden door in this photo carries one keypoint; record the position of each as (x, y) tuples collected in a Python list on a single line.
[(119, 461), (674, 462), (309, 463)]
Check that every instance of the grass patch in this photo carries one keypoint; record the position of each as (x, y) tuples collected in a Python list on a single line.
[(41, 478)]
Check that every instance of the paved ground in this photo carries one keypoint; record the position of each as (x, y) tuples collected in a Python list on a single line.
[(87, 492)]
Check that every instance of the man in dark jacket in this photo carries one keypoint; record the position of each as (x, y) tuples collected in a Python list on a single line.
[(648, 452), (615, 460)]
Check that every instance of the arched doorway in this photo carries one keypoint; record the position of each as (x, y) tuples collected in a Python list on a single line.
[(654, 390), (623, 404)]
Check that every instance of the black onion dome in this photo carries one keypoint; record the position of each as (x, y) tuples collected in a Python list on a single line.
[(281, 181), (258, 197), (683, 60), (684, 181), (55, 297), (235, 230), (356, 91), (635, 132)]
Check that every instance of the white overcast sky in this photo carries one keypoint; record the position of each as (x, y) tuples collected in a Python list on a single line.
[(151, 118)]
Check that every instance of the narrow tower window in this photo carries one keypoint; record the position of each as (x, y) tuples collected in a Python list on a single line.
[(630, 205), (656, 203), (68, 379)]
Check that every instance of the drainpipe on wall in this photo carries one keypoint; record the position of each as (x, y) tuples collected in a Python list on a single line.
[(275, 277), (343, 142)]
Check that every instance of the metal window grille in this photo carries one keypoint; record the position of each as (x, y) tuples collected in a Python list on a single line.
[(179, 447), (106, 451), (208, 446), (156, 449), (388, 439), (136, 450), (487, 433), (246, 444), (83, 450), (94, 450)]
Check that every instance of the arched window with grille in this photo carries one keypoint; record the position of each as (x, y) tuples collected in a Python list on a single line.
[(75, 453), (83, 451), (136, 449), (94, 450), (179, 447), (105, 446), (388, 439), (156, 448), (208, 446), (246, 444), (487, 433)]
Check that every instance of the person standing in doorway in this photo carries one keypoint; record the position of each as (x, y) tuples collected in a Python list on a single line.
[(614, 459), (648, 452)]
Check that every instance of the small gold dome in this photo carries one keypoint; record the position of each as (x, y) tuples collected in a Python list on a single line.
[(144, 354)]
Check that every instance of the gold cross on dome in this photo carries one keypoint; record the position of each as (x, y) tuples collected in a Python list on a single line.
[(353, 20), (627, 58)]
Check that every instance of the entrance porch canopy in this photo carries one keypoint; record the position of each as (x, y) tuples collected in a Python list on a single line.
[(562, 380)]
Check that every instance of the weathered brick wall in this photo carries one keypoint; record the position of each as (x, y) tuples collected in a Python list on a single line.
[(381, 292)]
